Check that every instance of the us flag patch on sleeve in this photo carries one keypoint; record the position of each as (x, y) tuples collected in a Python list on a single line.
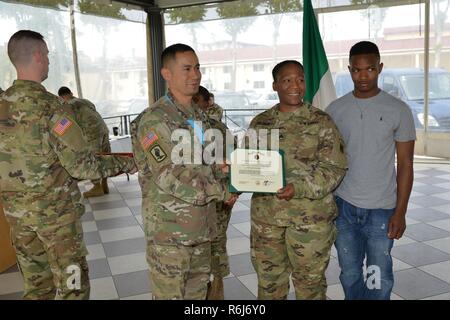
[(147, 141), (62, 126)]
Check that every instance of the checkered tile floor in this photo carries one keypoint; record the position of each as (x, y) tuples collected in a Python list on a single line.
[(118, 269)]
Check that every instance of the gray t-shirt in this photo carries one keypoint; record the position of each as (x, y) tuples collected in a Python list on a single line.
[(370, 127)]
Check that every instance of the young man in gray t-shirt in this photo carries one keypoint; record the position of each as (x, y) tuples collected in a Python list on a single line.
[(372, 198)]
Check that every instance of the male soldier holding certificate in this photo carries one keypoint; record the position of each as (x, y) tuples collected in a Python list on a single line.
[(178, 198)]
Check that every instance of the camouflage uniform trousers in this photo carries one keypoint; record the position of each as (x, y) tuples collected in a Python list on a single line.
[(179, 272), (219, 256), (50, 258), (220, 267), (302, 252)]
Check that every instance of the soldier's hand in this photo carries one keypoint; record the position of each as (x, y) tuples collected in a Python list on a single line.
[(225, 168), (230, 202), (286, 193)]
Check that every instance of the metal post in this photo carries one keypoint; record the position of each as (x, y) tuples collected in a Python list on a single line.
[(156, 30), (426, 66), (74, 49)]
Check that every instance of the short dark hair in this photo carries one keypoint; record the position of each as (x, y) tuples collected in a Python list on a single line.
[(63, 91), (202, 91), (280, 65), (364, 47), (170, 52), (19, 49), (211, 95)]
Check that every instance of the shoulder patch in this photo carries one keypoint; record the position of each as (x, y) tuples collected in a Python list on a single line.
[(148, 140), (62, 126), (158, 153)]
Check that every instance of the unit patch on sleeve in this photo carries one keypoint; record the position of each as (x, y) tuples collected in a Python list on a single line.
[(158, 153), (62, 126)]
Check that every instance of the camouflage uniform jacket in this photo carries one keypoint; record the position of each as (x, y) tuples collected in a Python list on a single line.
[(215, 112), (91, 122), (42, 153), (178, 200), (314, 163)]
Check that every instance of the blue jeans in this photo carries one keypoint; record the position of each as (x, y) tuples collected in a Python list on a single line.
[(362, 233)]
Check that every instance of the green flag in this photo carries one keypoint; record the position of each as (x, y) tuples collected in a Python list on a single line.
[(320, 91)]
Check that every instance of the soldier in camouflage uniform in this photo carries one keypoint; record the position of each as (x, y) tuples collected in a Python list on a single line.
[(95, 131), (214, 111), (1, 91), (219, 257), (42, 153), (178, 199), (292, 231)]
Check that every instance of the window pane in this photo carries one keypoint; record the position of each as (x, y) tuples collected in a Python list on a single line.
[(237, 53), (53, 24), (113, 64)]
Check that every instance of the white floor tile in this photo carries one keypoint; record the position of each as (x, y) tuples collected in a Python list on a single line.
[(89, 226), (400, 265), (139, 219), (444, 208), (396, 297), (96, 251), (335, 292), (243, 227), (440, 270), (444, 296), (121, 234), (133, 202), (333, 251), (403, 240), (11, 283), (238, 245), (112, 213), (410, 221), (240, 207), (442, 224), (145, 296), (128, 263), (440, 244), (250, 281), (445, 176), (416, 194), (103, 289), (445, 185), (106, 198), (413, 206), (133, 188), (123, 177), (444, 196)]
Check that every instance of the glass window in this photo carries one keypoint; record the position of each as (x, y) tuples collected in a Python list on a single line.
[(259, 84), (258, 67), (113, 65), (53, 24)]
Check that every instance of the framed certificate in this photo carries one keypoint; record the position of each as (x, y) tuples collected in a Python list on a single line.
[(256, 171)]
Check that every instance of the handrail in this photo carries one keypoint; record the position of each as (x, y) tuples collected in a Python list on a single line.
[(124, 120)]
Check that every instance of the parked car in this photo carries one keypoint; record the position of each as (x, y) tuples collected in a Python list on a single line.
[(238, 111), (267, 100), (407, 85)]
